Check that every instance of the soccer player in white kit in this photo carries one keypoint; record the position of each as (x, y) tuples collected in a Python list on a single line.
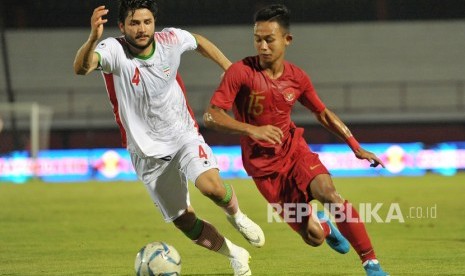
[(157, 126)]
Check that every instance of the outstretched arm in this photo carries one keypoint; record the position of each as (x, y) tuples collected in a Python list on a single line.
[(217, 118), (209, 50), (332, 122), (86, 59)]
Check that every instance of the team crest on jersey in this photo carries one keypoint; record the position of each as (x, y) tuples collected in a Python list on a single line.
[(167, 71), (289, 94)]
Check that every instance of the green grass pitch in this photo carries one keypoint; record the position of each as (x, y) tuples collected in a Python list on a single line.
[(97, 228)]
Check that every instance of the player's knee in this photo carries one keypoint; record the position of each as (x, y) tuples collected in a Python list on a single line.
[(214, 191), (210, 185), (313, 236), (313, 240)]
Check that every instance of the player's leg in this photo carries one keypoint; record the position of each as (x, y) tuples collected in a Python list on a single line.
[(281, 190), (312, 231), (206, 235), (316, 228), (210, 184), (167, 187), (201, 167), (323, 190), (347, 220)]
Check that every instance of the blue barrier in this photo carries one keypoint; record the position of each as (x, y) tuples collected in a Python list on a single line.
[(406, 159)]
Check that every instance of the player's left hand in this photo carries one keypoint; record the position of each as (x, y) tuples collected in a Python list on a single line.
[(267, 133), (371, 157)]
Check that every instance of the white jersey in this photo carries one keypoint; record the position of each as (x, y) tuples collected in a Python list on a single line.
[(148, 101)]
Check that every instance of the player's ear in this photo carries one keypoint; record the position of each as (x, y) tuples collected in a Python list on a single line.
[(121, 27), (288, 38)]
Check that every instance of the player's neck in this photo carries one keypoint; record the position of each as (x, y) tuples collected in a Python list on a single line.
[(142, 53), (274, 70)]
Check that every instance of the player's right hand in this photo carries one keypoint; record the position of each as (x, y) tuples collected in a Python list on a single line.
[(268, 133), (96, 22)]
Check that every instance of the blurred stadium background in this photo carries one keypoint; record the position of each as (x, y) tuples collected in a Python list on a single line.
[(393, 70)]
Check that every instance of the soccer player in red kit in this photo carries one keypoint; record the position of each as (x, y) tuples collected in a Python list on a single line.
[(261, 90)]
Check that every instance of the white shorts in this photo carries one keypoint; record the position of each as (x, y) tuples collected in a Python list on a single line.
[(166, 180)]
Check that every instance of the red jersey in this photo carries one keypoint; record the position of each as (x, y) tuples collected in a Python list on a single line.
[(258, 100)]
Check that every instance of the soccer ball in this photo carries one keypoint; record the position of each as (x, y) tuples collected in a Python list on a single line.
[(158, 258)]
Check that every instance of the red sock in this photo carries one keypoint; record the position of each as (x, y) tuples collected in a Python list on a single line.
[(325, 227), (355, 233)]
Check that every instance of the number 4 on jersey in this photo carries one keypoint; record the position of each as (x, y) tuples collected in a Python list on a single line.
[(202, 153), (136, 77)]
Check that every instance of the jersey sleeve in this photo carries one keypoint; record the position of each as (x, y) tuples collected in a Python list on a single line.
[(185, 39), (309, 97), (107, 51), (230, 85)]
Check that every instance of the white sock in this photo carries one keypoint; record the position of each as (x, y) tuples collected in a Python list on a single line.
[(229, 249), (238, 215)]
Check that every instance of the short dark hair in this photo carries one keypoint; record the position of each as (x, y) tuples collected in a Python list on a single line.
[(126, 6), (274, 13)]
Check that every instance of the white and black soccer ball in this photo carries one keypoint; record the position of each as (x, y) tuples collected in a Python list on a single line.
[(158, 258)]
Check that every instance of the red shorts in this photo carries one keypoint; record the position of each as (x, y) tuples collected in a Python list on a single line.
[(292, 187)]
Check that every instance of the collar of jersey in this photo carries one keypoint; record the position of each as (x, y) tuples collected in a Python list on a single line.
[(149, 55)]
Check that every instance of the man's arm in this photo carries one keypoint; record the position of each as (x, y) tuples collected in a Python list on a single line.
[(209, 50), (332, 122), (86, 59), (217, 119)]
